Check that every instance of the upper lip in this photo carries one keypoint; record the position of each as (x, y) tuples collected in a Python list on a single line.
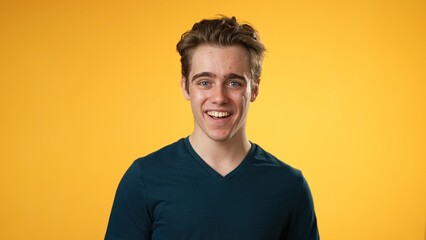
[(224, 111), (217, 110)]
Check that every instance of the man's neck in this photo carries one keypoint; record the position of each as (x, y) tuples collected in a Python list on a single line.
[(222, 156)]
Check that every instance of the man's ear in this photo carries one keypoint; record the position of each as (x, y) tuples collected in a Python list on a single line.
[(183, 86), (254, 91)]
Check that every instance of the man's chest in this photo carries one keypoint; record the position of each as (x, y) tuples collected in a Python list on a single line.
[(200, 208)]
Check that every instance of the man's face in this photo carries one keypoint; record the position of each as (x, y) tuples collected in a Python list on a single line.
[(220, 91)]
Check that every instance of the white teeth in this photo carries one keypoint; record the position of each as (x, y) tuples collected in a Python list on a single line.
[(218, 114)]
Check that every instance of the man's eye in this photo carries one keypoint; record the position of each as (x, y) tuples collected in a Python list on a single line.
[(234, 84), (203, 83)]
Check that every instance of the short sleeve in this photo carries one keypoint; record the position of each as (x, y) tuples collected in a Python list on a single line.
[(130, 218), (303, 224)]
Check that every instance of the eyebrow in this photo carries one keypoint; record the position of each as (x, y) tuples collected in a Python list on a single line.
[(235, 76), (202, 74), (209, 74)]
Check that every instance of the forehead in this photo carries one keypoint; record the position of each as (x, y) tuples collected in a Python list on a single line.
[(220, 60)]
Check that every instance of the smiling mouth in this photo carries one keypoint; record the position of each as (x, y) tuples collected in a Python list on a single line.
[(217, 114)]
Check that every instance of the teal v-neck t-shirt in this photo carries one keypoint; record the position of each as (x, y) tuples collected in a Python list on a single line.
[(172, 194)]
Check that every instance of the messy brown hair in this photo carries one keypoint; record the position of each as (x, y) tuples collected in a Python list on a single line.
[(223, 31)]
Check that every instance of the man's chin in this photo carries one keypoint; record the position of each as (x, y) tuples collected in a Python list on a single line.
[(222, 137)]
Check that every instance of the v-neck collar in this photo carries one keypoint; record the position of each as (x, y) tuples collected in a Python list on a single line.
[(213, 172)]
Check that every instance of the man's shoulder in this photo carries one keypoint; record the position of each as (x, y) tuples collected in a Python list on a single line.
[(167, 154), (275, 166), (171, 148)]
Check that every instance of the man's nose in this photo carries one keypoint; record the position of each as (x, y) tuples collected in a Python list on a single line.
[(219, 95)]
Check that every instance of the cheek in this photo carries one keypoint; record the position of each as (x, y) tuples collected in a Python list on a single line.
[(199, 95), (197, 98), (242, 98)]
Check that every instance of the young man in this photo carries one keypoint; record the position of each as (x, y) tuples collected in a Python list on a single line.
[(215, 184)]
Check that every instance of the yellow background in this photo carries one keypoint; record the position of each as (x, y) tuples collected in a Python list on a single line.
[(88, 86)]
